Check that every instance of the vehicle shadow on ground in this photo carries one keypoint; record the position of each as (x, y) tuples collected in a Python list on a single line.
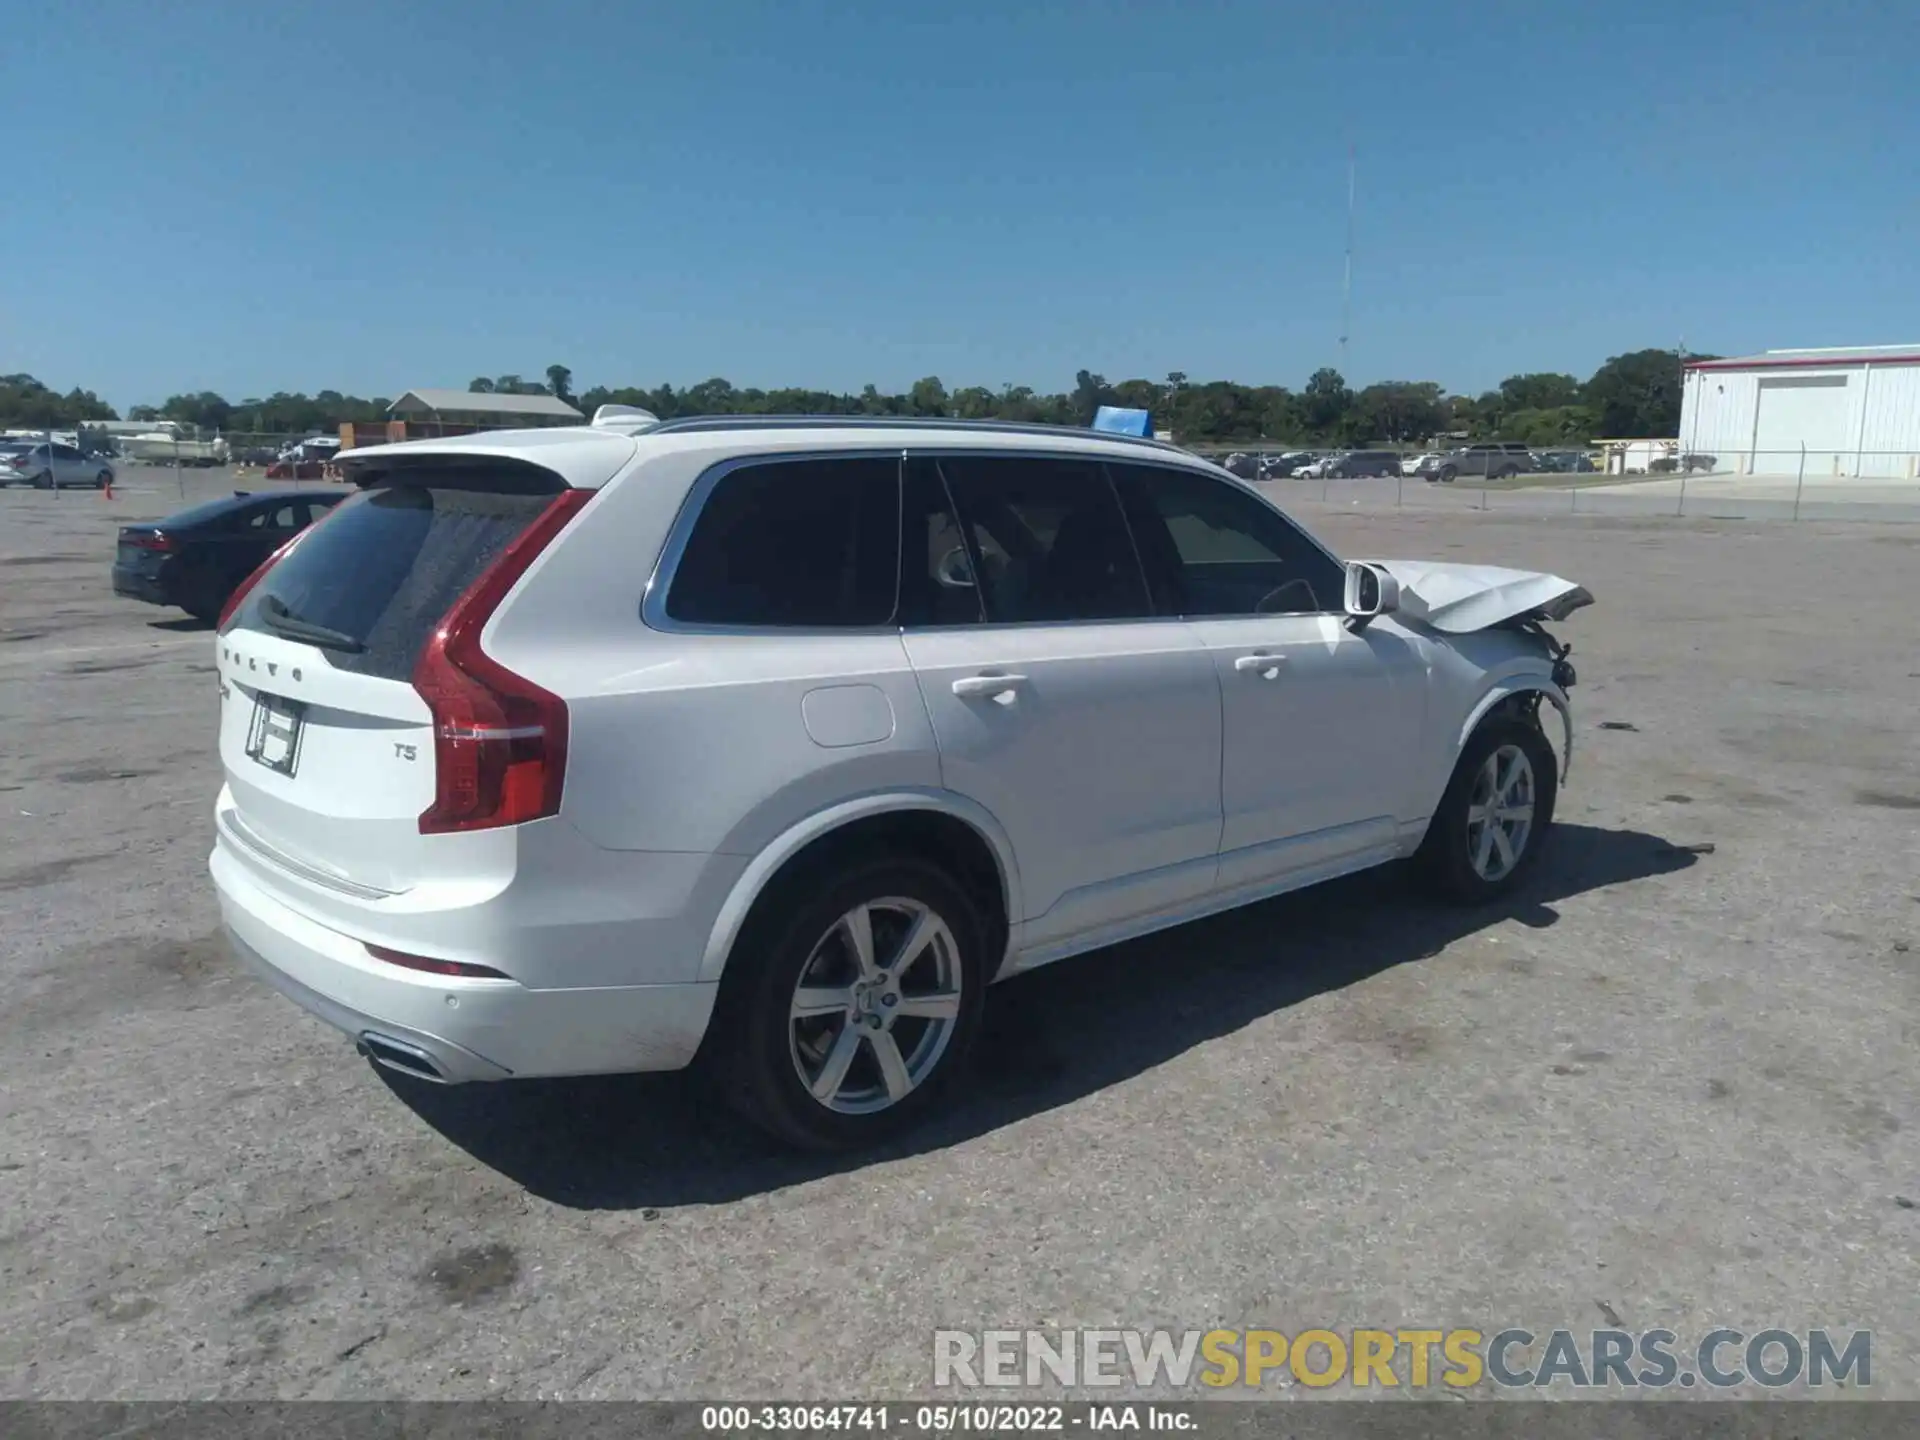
[(184, 625), (1049, 1038)]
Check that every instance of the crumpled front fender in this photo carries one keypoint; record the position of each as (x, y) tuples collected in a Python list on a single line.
[(1561, 704), (1524, 685)]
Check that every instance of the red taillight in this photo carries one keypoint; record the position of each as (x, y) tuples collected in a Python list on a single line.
[(433, 967), (499, 740), (149, 540)]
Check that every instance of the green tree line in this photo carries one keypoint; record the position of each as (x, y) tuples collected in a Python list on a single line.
[(278, 414), (1636, 394), (26, 404)]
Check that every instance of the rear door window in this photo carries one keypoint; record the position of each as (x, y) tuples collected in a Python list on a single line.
[(1047, 539), (281, 517), (794, 544), (937, 586), (392, 560)]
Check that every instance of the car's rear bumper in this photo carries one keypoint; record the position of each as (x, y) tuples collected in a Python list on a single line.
[(132, 584), (467, 1029)]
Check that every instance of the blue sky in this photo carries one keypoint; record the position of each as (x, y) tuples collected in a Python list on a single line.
[(369, 197)]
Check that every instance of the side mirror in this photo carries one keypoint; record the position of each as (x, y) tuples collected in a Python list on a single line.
[(1371, 592)]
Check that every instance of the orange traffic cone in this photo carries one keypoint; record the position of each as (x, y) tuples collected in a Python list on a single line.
[(106, 491)]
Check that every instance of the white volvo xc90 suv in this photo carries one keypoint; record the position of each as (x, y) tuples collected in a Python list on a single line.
[(772, 743)]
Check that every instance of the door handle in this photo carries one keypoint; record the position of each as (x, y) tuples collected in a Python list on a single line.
[(990, 686), (1267, 665)]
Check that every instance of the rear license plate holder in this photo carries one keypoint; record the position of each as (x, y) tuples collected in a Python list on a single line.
[(273, 738)]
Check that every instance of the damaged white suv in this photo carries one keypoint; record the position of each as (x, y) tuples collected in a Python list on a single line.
[(774, 743)]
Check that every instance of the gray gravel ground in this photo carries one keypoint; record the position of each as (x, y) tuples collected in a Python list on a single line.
[(1678, 1088)]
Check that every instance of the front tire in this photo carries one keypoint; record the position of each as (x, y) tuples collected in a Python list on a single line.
[(1489, 827), (844, 1019)]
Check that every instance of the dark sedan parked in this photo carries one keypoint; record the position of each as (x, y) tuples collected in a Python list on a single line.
[(1363, 464), (195, 559)]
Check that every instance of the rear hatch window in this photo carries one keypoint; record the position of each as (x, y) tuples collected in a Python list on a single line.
[(331, 754), (370, 585)]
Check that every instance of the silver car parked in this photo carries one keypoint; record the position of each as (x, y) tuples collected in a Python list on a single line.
[(47, 464)]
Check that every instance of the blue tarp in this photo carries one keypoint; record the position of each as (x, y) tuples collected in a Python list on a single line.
[(1117, 421)]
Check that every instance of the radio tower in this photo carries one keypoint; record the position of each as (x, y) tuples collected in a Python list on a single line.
[(1346, 282)]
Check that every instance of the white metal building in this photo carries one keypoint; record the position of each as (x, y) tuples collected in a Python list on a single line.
[(1855, 410), (483, 408)]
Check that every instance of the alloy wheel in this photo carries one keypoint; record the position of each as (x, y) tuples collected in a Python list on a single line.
[(875, 1006), (1500, 813)]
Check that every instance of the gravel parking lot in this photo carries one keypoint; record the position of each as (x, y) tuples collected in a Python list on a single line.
[(1675, 1086)]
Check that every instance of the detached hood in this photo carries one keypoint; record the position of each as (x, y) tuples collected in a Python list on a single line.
[(1461, 598)]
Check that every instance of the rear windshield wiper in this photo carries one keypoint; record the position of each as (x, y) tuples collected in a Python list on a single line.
[(279, 619)]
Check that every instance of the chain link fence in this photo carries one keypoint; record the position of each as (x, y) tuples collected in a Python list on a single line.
[(194, 465), (1627, 478), (1648, 478)]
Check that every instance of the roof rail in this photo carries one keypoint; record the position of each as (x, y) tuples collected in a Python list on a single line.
[(698, 424)]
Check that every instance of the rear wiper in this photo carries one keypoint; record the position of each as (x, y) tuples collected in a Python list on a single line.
[(274, 611)]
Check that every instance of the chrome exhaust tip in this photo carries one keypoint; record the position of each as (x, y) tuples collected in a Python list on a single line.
[(398, 1055)]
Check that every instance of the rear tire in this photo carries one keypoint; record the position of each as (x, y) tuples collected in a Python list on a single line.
[(1488, 830), (859, 1051), (43, 481), (204, 596), (103, 480)]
